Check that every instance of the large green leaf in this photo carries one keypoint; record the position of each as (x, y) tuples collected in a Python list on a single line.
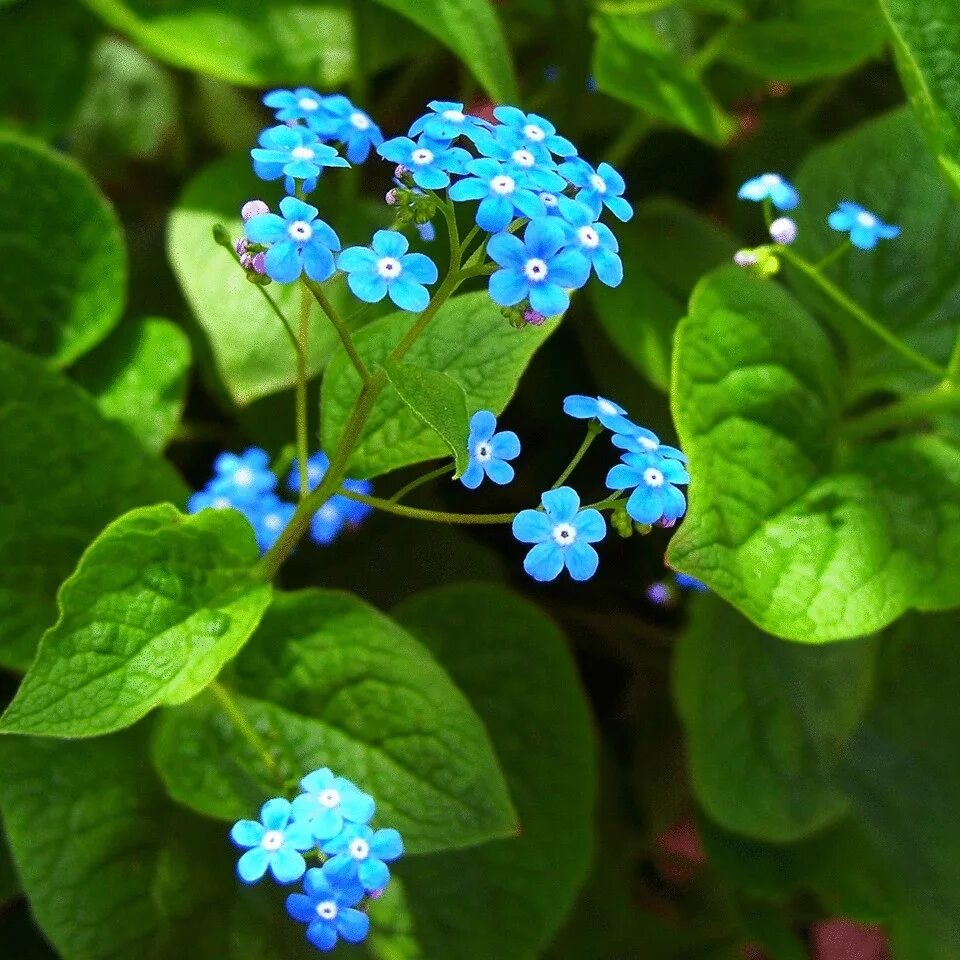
[(926, 40), (329, 681), (159, 602), (469, 340), (504, 899), (635, 65), (9, 881), (74, 472), (884, 165), (62, 259), (812, 540), (766, 722), (666, 248), (139, 378)]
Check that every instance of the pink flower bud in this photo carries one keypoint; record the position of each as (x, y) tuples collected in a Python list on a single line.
[(246, 261), (745, 258), (392, 197), (259, 263), (400, 172), (783, 230), (533, 318), (253, 208)]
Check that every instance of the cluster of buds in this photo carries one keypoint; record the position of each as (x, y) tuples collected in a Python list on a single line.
[(522, 316), (412, 204), (763, 261)]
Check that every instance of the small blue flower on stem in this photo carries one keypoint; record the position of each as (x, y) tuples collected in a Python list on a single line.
[(447, 121), (299, 104), (536, 168), (596, 242), (299, 242), (339, 511), (430, 162), (295, 153), (536, 268), (386, 268), (327, 907), (244, 478), (773, 187), (641, 440), (562, 533), (864, 227), (329, 801), (610, 414), (501, 195), (532, 130), (269, 517), (275, 842), (489, 451), (343, 122), (654, 497), (598, 188), (362, 853)]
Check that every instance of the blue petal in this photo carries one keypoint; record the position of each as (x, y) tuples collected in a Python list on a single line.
[(508, 287), (318, 261), (561, 504), (275, 813), (863, 238), (301, 908), (753, 189), (505, 445), (615, 183), (430, 178), (387, 844), (356, 805), (287, 865), (469, 189), (529, 204), (841, 220), (483, 425), (407, 294), (581, 407), (784, 196), (353, 925), (369, 287), (674, 503), (295, 209), (299, 835), (548, 298), (507, 250), (473, 476), (322, 934), (247, 833), (282, 262), (419, 267), (327, 824), (494, 213), (500, 472), (590, 526), (373, 873), (570, 269), (623, 477), (357, 258), (609, 267), (532, 526), (619, 208), (645, 505), (322, 779), (265, 228), (544, 562), (581, 560), (317, 884), (389, 243), (397, 150), (253, 865), (544, 237)]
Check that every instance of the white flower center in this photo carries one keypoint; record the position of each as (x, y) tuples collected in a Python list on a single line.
[(535, 270), (523, 158), (483, 452), (455, 116), (422, 156), (327, 910), (272, 840), (549, 199), (647, 443), (300, 230), (532, 132), (503, 185), (222, 503), (359, 849), (302, 153), (653, 477), (314, 473), (596, 181), (307, 103), (243, 477), (329, 512), (589, 238), (273, 521), (564, 534), (605, 406), (770, 179), (360, 120), (866, 219), (329, 799), (389, 268)]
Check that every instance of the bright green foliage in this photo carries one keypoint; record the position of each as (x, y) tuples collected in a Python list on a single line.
[(926, 40), (668, 248), (812, 541), (328, 681), (511, 662), (157, 605), (634, 64), (469, 340), (57, 229), (139, 378), (82, 469)]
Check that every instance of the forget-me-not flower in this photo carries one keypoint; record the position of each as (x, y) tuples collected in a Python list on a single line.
[(430, 162), (865, 228), (641, 440), (770, 186), (501, 195), (340, 120), (385, 268), (359, 851), (339, 511), (299, 242), (275, 842), (610, 414), (242, 478), (489, 451), (534, 131), (536, 168), (326, 906), (295, 153), (299, 104), (329, 801), (562, 534), (652, 479), (595, 241), (447, 121), (269, 517), (598, 188)]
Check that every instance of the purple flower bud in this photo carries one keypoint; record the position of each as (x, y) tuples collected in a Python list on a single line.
[(375, 894), (246, 261), (666, 524), (259, 264), (783, 230), (241, 246), (533, 318), (392, 197), (745, 258), (659, 594), (400, 172), (253, 208)]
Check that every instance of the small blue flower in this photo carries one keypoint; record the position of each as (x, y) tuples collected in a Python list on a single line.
[(610, 414), (329, 801), (362, 853), (864, 227), (430, 162), (501, 196), (654, 497), (685, 582), (295, 153), (773, 187), (339, 511), (562, 533), (299, 104), (598, 188), (386, 268), (489, 451), (535, 168), (327, 907), (447, 121), (341, 121), (596, 242), (536, 268), (641, 440), (275, 842), (534, 131), (243, 479), (299, 242), (427, 231), (207, 499), (269, 517)]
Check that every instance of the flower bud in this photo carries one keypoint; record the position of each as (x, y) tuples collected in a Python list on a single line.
[(392, 197), (427, 232), (401, 172), (246, 260), (745, 258), (241, 247), (533, 318), (253, 208), (660, 594), (259, 264), (783, 230)]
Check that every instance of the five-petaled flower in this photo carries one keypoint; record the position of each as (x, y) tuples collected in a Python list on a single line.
[(598, 188), (295, 153), (242, 478), (340, 120), (534, 131), (386, 268), (773, 187), (299, 242), (489, 451), (329, 801), (299, 104), (447, 121), (502, 195), (327, 905), (652, 479), (641, 440), (359, 851), (275, 842), (269, 517), (865, 228), (595, 241), (610, 414), (429, 161)]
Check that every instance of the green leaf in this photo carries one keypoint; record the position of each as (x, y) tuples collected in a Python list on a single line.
[(766, 722), (471, 29), (75, 472), (9, 881), (811, 540), (159, 602), (139, 378), (468, 340), (805, 39), (883, 165), (329, 681), (438, 401), (633, 64), (667, 248), (58, 230), (926, 41), (505, 899)]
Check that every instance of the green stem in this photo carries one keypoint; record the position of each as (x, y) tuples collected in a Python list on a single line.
[(303, 439), (861, 315), (340, 326), (453, 231), (435, 516), (593, 431), (768, 212), (834, 255), (942, 399), (953, 367), (404, 492), (245, 728)]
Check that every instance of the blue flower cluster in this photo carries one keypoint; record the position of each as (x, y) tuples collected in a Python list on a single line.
[(330, 817), (246, 483)]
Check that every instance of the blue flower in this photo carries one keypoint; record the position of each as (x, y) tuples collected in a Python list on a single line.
[(447, 121), (242, 479), (362, 853), (427, 231), (501, 195), (654, 497), (299, 242), (562, 533), (641, 440), (598, 188), (536, 268), (430, 162), (610, 414), (327, 907), (773, 187), (340, 120), (595, 241), (299, 104), (295, 153), (386, 268), (685, 582), (274, 842), (534, 131), (208, 499), (269, 517), (489, 451), (534, 167), (329, 801), (339, 511), (864, 227)]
